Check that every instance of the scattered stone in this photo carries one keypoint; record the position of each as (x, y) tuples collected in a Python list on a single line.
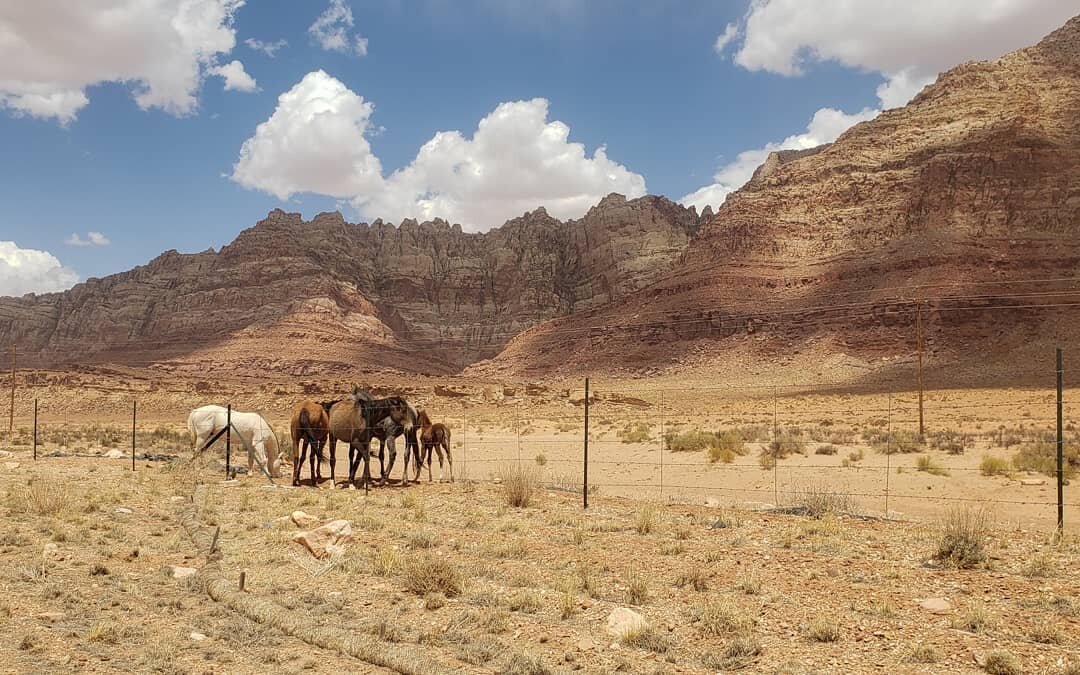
[(585, 644), (198, 637), (936, 605), (115, 454), (11, 466), (1033, 481), (179, 572), (306, 520), (176, 499), (622, 619), (326, 540), (51, 617), (123, 509)]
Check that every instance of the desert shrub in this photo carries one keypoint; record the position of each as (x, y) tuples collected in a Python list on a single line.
[(975, 620), (732, 441), (1041, 457), (424, 574), (826, 449), (692, 441), (748, 582), (421, 539), (1040, 565), (923, 653), (963, 538), (952, 442), (43, 498), (541, 459), (434, 601), (767, 460), (900, 441), (634, 433), (694, 577), (517, 483), (718, 454), (787, 443), (526, 602), (754, 433), (524, 663), (637, 589), (384, 562), (1047, 633), (1001, 662), (994, 466), (737, 654), (818, 500), (929, 465)]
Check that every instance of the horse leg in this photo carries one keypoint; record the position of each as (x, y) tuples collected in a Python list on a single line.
[(449, 459), (427, 450), (315, 465), (333, 458), (299, 450), (393, 457), (438, 450)]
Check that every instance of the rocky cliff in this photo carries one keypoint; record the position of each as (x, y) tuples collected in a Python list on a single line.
[(960, 199), (303, 297)]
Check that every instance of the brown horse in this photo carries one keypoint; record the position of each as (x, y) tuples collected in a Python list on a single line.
[(354, 420), (434, 436), (309, 428)]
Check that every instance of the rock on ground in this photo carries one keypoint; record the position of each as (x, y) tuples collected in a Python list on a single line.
[(622, 620), (326, 540)]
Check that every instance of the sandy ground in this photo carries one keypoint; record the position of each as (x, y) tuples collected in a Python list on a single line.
[(88, 585)]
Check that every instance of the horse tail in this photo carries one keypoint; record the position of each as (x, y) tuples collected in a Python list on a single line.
[(191, 430)]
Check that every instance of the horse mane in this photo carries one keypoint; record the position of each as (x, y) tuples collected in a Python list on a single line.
[(422, 418), (326, 405)]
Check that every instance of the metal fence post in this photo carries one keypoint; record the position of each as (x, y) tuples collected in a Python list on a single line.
[(35, 428), (888, 452), (775, 449), (517, 428), (1060, 445), (585, 463), (228, 438), (661, 445), (133, 406)]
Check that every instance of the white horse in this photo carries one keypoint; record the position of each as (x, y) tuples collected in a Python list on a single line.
[(206, 421)]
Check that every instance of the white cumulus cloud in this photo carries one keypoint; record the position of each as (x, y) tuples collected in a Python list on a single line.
[(26, 270), (268, 48), (313, 142), (826, 125), (516, 160), (236, 78), (331, 30), (92, 239), (907, 43), (52, 50)]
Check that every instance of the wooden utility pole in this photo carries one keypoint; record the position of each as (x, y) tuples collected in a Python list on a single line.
[(11, 412), (919, 350)]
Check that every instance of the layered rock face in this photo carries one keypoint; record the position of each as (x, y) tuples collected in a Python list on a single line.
[(974, 183), (305, 297)]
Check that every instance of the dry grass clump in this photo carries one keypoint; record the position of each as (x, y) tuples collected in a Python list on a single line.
[(824, 629), (787, 443), (647, 518), (637, 589), (1041, 457), (480, 652), (975, 620), (721, 616), (526, 602), (524, 663), (737, 654), (647, 638), (749, 582), (587, 582), (691, 441), (694, 577), (930, 465), (965, 532), (385, 562), (1048, 633), (568, 600), (825, 449), (421, 539), (1040, 565), (517, 483), (426, 573), (922, 653), (105, 632), (434, 601), (1001, 662), (994, 466), (42, 498)]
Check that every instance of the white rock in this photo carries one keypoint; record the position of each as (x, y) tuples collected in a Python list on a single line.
[(622, 620), (179, 572), (11, 466), (176, 499), (123, 509), (198, 637), (114, 454), (301, 519), (326, 540), (936, 605)]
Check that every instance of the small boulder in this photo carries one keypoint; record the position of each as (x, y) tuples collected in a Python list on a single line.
[(179, 572), (1033, 481), (936, 605), (326, 540), (115, 454), (198, 637), (123, 509), (51, 617), (301, 519), (623, 620)]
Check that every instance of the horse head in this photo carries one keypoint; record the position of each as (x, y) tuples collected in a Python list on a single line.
[(398, 409), (326, 405)]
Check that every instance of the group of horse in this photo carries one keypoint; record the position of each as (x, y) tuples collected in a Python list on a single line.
[(355, 420)]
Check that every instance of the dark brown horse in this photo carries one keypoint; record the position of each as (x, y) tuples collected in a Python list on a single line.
[(434, 436), (355, 420), (309, 428)]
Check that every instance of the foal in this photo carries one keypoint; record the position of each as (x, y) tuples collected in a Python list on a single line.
[(435, 437), (309, 428)]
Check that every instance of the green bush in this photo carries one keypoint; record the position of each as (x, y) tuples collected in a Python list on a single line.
[(635, 433), (994, 466), (1041, 457), (692, 441)]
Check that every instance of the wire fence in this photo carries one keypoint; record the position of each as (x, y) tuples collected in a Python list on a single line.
[(764, 445)]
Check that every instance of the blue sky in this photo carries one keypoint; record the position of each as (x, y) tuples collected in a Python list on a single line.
[(645, 81)]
